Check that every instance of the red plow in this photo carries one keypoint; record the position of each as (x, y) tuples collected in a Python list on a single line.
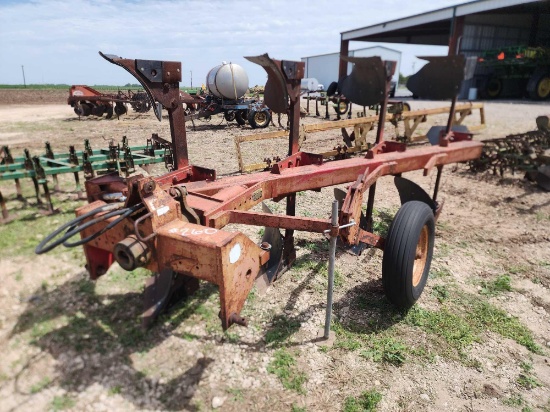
[(174, 224)]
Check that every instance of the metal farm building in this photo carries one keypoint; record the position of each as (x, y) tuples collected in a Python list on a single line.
[(510, 37)]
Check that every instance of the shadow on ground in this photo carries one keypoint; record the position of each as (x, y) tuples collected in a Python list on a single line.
[(97, 336)]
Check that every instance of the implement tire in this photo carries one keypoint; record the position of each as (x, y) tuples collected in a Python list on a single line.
[(408, 253)]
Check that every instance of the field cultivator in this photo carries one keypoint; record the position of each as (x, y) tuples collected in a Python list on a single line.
[(119, 159), (527, 153), (355, 140), (87, 101), (174, 224)]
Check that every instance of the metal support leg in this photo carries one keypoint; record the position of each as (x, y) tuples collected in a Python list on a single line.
[(49, 204), (80, 193), (18, 190), (317, 107), (437, 182), (326, 111), (5, 214), (370, 207), (37, 191), (331, 259), (55, 183), (289, 252)]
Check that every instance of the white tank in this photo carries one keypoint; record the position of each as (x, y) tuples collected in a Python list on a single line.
[(309, 84), (228, 81)]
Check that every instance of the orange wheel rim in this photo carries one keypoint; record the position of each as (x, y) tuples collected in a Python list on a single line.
[(421, 255)]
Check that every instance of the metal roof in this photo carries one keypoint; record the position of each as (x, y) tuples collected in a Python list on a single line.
[(354, 50), (434, 27)]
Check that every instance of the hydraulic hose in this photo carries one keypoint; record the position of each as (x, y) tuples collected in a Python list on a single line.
[(122, 213), (46, 246)]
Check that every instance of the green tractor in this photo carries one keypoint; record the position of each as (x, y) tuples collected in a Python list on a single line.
[(515, 72)]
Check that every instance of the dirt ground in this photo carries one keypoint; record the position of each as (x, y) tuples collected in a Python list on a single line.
[(477, 340)]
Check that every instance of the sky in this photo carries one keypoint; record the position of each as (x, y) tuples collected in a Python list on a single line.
[(57, 41)]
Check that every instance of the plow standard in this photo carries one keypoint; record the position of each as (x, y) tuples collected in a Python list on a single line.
[(174, 224)]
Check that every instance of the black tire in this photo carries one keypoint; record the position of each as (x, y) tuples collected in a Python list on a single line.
[(408, 253), (229, 116), (541, 89), (332, 89), (341, 107), (240, 117), (259, 119), (120, 109), (98, 110), (109, 112), (493, 88), (83, 109)]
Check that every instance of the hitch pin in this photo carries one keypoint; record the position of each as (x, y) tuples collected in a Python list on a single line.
[(351, 223)]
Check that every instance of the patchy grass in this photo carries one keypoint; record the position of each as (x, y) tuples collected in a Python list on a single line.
[(386, 349), (237, 394), (381, 220), (367, 402), (461, 320), (483, 315), (60, 403), (455, 331), (442, 272), (526, 378), (514, 400), (440, 292), (133, 281), (115, 390), (496, 286), (17, 240), (284, 367), (381, 347), (42, 384)]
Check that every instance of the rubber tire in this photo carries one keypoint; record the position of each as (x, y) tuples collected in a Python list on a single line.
[(332, 89), (493, 88), (240, 117), (98, 110), (400, 251), (120, 109), (341, 111), (535, 95), (256, 123), (229, 116), (109, 112), (82, 109)]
